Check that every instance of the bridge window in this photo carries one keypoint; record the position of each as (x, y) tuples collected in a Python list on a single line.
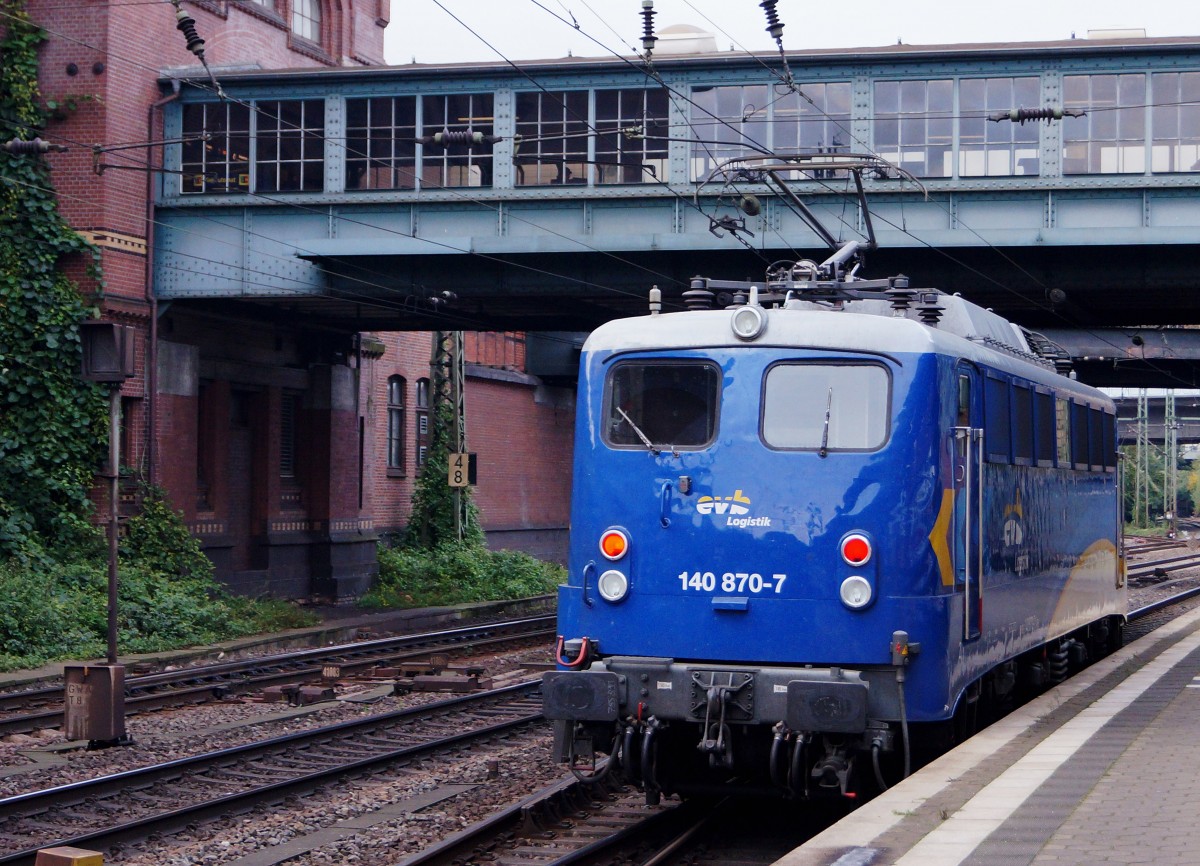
[(914, 125), (1111, 137), (290, 146), (381, 143), (735, 121), (835, 407), (221, 164), (452, 165), (631, 140), (1176, 121), (989, 149), (553, 135)]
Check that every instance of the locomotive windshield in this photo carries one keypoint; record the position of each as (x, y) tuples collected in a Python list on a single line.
[(826, 407), (653, 404)]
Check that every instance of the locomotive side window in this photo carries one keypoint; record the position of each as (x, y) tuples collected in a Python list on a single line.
[(1079, 436), (826, 407), (1109, 440), (1044, 450), (1096, 438), (655, 404), (1022, 425), (997, 420)]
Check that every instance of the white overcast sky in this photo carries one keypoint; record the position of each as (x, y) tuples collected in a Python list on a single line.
[(522, 31)]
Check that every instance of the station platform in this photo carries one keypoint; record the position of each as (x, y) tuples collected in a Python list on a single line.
[(1103, 769)]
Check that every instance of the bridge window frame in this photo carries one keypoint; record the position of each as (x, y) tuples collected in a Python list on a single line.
[(1005, 149), (381, 143), (289, 145), (913, 124), (390, 141), (724, 117), (222, 163), (554, 132), (1174, 122), (619, 158), (1111, 137)]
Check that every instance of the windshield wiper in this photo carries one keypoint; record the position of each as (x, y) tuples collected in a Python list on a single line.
[(645, 439), (825, 434)]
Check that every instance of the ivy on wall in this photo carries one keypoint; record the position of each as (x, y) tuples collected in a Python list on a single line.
[(53, 426)]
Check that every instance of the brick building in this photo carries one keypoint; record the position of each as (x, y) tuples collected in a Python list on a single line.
[(288, 443)]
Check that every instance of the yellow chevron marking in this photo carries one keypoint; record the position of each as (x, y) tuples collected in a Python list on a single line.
[(939, 538)]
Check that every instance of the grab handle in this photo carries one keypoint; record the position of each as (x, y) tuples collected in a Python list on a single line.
[(591, 566), (665, 504)]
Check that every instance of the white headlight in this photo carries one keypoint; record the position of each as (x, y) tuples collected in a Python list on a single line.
[(748, 322), (856, 592), (612, 585)]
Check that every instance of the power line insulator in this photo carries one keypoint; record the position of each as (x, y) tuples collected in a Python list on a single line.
[(649, 40), (458, 136), (774, 25), (186, 25), (1046, 113), (35, 145)]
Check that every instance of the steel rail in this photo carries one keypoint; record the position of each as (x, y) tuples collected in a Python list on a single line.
[(40, 802), (202, 683)]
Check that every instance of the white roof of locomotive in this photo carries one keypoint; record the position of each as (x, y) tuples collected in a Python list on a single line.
[(868, 326)]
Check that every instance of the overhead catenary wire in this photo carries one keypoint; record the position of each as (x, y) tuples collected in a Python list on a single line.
[(455, 191), (283, 201), (1025, 298)]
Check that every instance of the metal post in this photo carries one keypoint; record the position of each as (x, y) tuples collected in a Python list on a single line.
[(114, 468)]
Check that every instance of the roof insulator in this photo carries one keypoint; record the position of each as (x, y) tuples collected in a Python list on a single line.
[(698, 299)]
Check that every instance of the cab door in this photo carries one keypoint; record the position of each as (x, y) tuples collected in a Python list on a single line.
[(968, 452)]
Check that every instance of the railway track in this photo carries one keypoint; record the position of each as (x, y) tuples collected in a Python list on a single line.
[(164, 798), (572, 822), (33, 709), (593, 824)]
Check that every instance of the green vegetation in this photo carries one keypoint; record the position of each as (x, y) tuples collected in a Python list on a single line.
[(456, 574), (52, 424), (434, 564), (58, 608), (54, 433)]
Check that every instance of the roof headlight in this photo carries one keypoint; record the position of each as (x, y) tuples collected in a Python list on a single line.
[(748, 322), (856, 592), (612, 585)]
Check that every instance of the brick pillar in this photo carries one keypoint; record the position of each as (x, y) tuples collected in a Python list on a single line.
[(343, 558)]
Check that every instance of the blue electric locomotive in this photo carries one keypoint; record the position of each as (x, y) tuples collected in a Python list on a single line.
[(819, 523)]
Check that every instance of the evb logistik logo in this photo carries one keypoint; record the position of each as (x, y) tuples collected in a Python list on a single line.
[(732, 508)]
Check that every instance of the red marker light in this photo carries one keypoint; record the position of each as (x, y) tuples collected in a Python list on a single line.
[(856, 549), (614, 544)]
